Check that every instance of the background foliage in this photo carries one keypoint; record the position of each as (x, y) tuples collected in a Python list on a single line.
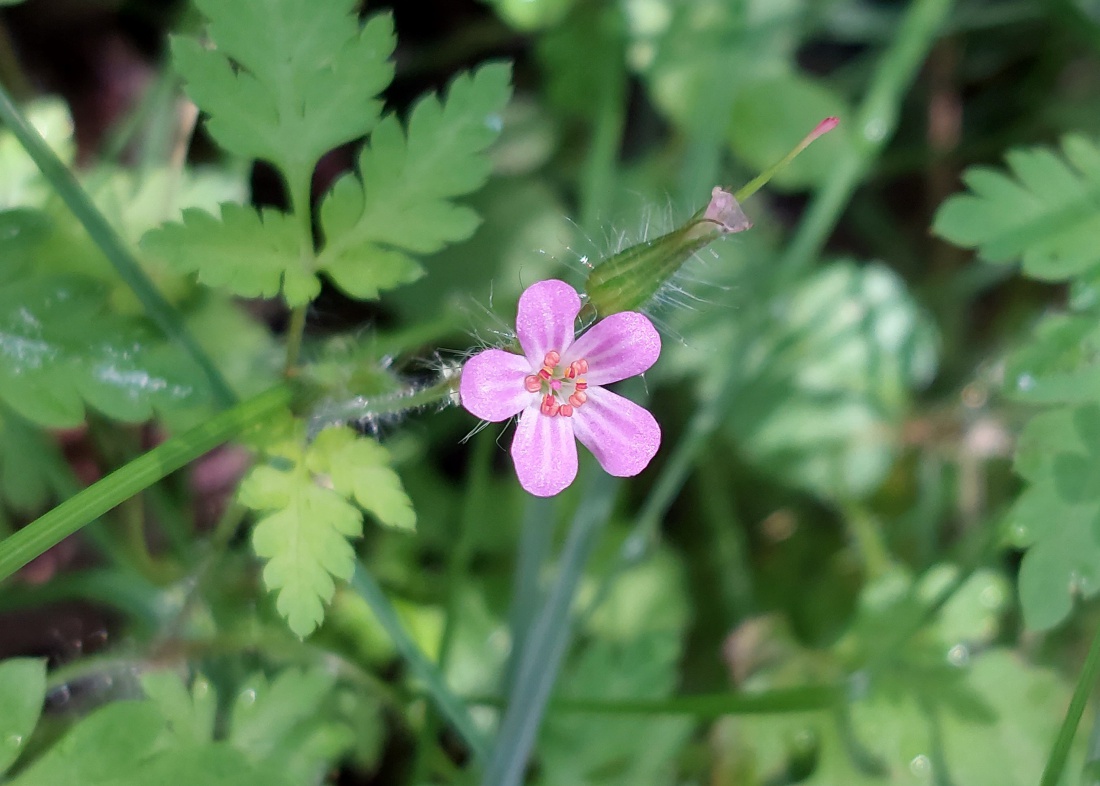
[(867, 552)]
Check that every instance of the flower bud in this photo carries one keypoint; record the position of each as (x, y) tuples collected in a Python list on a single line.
[(630, 279)]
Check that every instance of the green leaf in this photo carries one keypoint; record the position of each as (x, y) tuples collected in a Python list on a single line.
[(189, 714), (102, 746), (826, 383), (304, 537), (59, 351), (248, 253), (1044, 211), (305, 494), (400, 205), (291, 723), (287, 80), (22, 692), (30, 461), (1058, 515), (358, 469)]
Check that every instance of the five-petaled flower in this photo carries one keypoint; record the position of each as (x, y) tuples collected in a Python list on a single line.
[(555, 387)]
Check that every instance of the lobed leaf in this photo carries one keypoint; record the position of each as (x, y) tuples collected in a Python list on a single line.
[(1044, 211), (306, 497), (250, 253), (287, 80), (400, 204)]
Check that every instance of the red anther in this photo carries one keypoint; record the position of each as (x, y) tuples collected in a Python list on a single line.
[(581, 385), (552, 359), (571, 372), (566, 411), (581, 366), (549, 406), (578, 398), (532, 383), (545, 374)]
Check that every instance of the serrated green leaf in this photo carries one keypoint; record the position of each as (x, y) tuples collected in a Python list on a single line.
[(400, 204), (22, 692), (290, 723), (304, 537), (189, 714), (287, 80), (306, 495), (249, 253), (1045, 210), (359, 469), (59, 351)]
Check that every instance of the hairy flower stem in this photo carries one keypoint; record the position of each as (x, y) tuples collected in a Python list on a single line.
[(329, 413)]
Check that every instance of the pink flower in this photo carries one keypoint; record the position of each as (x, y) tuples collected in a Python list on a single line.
[(556, 389)]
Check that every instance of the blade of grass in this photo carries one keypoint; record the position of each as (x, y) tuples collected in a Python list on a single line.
[(92, 502), (103, 234), (549, 638), (535, 540), (449, 705), (1086, 682)]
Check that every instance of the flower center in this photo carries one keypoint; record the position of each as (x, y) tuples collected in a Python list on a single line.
[(561, 387)]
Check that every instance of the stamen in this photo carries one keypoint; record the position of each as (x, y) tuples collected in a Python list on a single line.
[(545, 374), (571, 372), (549, 406), (532, 383), (552, 359), (581, 366), (566, 411), (581, 385), (578, 398)]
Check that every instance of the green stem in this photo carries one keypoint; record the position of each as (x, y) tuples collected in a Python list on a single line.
[(113, 247), (449, 705), (1056, 762), (298, 184), (295, 332), (546, 645), (103, 495)]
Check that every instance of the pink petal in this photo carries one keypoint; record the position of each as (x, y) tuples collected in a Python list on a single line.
[(547, 310), (621, 346), (621, 435), (492, 384), (544, 452)]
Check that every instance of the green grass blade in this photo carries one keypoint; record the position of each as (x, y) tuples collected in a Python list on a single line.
[(449, 705), (548, 640), (50, 529), (1059, 753), (803, 699), (159, 310)]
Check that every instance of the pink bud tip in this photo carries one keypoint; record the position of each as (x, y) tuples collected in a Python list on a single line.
[(824, 127)]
